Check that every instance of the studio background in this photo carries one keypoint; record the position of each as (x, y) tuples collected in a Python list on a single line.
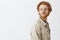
[(18, 16)]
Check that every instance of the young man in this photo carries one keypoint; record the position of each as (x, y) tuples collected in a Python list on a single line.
[(41, 30)]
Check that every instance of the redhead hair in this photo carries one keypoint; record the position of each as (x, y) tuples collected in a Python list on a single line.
[(45, 3)]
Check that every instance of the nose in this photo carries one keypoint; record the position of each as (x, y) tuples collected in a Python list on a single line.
[(43, 11)]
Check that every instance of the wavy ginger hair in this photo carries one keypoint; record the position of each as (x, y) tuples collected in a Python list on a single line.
[(45, 3)]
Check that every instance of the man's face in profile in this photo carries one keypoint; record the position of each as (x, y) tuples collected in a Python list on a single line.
[(43, 11)]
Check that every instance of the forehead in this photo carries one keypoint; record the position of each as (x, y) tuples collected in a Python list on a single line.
[(43, 6)]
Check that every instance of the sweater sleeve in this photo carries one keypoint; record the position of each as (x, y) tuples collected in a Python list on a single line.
[(36, 33)]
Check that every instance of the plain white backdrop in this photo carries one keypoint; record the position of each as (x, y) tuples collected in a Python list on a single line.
[(18, 16)]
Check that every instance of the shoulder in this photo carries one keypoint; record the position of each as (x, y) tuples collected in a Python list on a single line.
[(38, 25)]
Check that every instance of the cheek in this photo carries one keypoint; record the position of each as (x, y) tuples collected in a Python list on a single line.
[(47, 12), (40, 12)]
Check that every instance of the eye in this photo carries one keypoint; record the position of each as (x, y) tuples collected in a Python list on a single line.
[(46, 9)]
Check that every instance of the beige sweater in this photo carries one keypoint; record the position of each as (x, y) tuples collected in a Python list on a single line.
[(40, 31)]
